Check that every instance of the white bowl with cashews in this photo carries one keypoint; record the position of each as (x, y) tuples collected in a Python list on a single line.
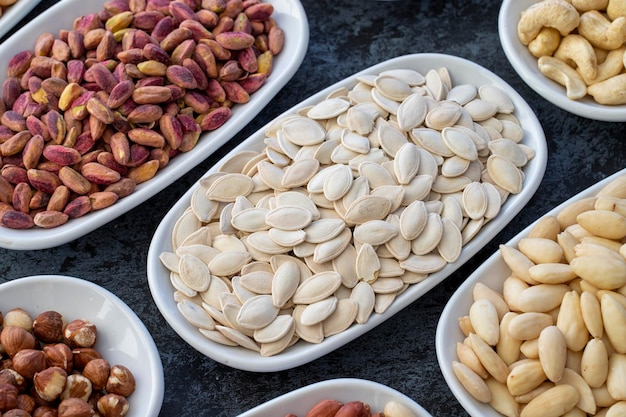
[(608, 102), (579, 366)]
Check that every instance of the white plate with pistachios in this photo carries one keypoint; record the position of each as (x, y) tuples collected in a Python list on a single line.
[(340, 391), (120, 336), (11, 15), (289, 15), (526, 63), (392, 276), (488, 281)]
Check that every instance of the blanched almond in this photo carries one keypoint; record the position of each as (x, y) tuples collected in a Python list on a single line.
[(615, 382), (525, 376), (552, 352), (554, 402), (508, 347), (594, 364), (501, 399), (481, 291), (567, 241), (540, 250), (529, 325), (468, 358), (511, 288), (547, 227), (603, 271), (570, 322), (484, 318), (592, 315), (604, 223), (586, 401), (552, 273), (473, 383), (489, 358), (614, 318), (567, 216), (617, 410), (518, 262), (541, 298)]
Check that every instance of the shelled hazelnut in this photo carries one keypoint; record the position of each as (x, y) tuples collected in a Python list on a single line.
[(80, 333), (50, 368), (48, 327)]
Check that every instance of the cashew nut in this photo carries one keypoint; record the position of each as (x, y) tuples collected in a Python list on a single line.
[(545, 43), (600, 31), (577, 50), (558, 14), (559, 71), (584, 5), (611, 91), (616, 8), (612, 65)]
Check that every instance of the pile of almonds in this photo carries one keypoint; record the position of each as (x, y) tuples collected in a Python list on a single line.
[(552, 342), (4, 4), (335, 408), (87, 115), (50, 368)]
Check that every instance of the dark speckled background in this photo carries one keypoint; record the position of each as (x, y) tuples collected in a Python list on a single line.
[(346, 36)]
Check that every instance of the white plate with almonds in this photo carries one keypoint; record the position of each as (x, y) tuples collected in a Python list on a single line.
[(493, 273), (288, 14), (526, 64), (336, 306), (342, 390), (121, 337), (11, 15)]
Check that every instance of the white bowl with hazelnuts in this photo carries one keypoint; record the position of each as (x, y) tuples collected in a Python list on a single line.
[(62, 355)]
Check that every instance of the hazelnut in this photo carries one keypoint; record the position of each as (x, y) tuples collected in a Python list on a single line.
[(80, 333), (75, 407), (15, 338), (50, 382), (45, 411), (60, 355), (16, 412), (82, 356), (6, 363), (121, 381), (113, 405), (11, 376), (26, 402), (20, 318), (97, 371), (8, 397), (27, 362), (78, 386), (48, 327)]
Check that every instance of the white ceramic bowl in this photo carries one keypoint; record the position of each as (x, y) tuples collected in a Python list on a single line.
[(526, 66), (462, 71), (343, 389), (492, 273), (13, 14), (122, 337), (289, 14)]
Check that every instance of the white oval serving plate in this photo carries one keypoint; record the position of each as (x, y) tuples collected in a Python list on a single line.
[(344, 390), (492, 273), (290, 16), (525, 64), (462, 71), (122, 337), (13, 14)]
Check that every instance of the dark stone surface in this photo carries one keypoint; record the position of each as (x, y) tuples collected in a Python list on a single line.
[(346, 36)]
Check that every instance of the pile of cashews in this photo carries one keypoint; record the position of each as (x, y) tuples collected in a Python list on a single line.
[(579, 44)]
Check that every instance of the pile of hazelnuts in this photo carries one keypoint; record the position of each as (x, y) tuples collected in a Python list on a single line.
[(50, 368)]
